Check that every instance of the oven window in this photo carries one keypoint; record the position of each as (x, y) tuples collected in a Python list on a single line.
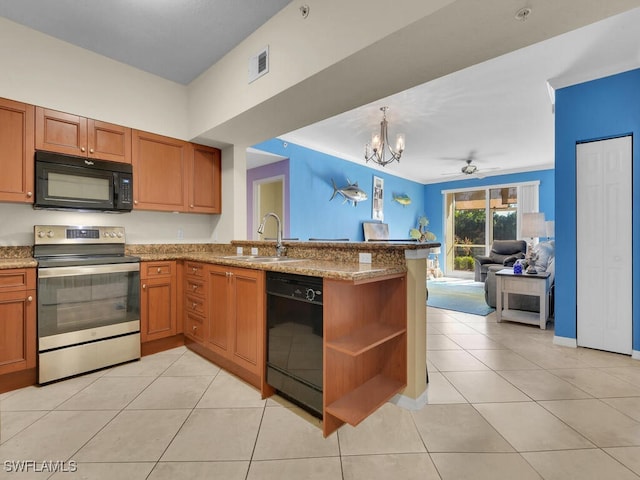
[(63, 185), (73, 303)]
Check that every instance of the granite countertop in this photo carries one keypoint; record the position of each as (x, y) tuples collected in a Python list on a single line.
[(20, 262), (337, 260), (351, 271)]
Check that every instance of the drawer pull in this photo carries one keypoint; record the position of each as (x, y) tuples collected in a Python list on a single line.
[(195, 287), (194, 269), (159, 270), (194, 305), (29, 298), (195, 328)]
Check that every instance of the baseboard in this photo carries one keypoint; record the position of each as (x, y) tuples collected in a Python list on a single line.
[(565, 341), (409, 403), (635, 354)]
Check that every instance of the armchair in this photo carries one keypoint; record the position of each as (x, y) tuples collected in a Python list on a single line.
[(504, 253)]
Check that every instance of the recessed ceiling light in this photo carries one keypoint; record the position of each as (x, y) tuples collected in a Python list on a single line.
[(523, 14)]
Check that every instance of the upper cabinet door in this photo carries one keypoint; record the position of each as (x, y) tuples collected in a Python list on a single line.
[(65, 133), (108, 141), (61, 132), (16, 151), (160, 166), (204, 180)]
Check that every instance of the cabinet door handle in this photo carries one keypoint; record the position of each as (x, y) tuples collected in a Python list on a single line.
[(191, 206), (91, 150), (135, 202), (144, 286), (29, 298), (82, 149), (29, 194), (195, 328)]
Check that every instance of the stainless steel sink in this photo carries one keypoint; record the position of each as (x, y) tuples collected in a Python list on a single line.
[(261, 258)]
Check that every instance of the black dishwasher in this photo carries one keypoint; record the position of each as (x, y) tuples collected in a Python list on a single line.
[(294, 338)]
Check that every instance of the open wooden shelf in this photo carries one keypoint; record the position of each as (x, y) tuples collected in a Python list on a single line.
[(364, 400), (365, 338), (365, 348)]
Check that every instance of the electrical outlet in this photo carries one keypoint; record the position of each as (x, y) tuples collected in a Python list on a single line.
[(239, 250), (254, 251), (365, 257)]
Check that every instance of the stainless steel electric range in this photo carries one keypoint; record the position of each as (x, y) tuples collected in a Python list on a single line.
[(88, 300)]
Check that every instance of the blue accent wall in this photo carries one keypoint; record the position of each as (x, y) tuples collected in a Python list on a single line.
[(313, 215), (604, 108), (433, 198)]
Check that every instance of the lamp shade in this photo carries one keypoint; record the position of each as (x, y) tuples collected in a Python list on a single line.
[(551, 228), (533, 225)]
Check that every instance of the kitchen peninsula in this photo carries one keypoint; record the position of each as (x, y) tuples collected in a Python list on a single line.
[(374, 314)]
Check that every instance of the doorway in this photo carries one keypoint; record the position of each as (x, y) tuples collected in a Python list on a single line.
[(268, 194), (604, 255)]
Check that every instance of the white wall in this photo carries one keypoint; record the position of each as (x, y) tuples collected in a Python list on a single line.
[(42, 70), (17, 221), (298, 49)]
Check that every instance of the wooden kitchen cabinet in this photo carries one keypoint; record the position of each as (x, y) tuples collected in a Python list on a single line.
[(160, 166), (205, 180), (158, 300), (235, 328), (74, 135), (195, 300), (17, 320), (174, 175), (365, 347), (16, 151)]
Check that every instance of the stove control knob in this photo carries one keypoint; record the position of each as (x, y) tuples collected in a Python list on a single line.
[(119, 234), (50, 234), (41, 234)]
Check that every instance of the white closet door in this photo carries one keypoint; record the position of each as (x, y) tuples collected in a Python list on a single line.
[(604, 255)]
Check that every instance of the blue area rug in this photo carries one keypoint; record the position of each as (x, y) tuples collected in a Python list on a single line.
[(461, 296)]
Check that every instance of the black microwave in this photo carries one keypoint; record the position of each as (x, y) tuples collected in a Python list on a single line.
[(80, 183)]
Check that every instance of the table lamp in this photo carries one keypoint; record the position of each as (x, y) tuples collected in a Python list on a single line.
[(533, 226)]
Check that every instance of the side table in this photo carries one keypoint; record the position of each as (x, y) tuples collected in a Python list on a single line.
[(536, 285)]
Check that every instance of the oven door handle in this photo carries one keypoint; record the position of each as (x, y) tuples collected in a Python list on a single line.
[(87, 270)]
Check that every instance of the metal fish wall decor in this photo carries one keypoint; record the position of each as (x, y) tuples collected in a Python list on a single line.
[(351, 192)]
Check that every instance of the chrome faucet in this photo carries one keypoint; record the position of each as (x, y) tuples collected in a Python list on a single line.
[(280, 249)]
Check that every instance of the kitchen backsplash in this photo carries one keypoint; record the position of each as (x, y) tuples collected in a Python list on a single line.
[(17, 221)]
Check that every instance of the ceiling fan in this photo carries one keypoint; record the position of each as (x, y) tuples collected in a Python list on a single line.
[(469, 168)]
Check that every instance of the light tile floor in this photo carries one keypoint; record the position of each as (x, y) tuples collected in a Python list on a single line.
[(504, 403)]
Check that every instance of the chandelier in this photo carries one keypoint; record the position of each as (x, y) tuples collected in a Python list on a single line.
[(375, 150)]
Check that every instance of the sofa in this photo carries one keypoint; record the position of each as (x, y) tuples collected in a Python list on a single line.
[(504, 253), (545, 263)]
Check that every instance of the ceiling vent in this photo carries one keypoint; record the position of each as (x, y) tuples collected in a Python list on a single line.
[(259, 64)]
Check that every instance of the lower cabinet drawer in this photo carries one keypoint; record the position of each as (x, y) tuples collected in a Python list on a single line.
[(525, 286), (194, 327), (195, 287), (195, 305)]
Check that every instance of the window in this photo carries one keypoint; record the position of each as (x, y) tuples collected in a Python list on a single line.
[(467, 231)]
